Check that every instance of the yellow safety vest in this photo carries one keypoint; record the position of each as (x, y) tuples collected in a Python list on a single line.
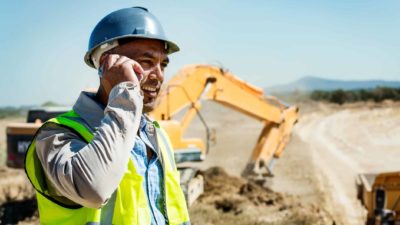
[(130, 202)]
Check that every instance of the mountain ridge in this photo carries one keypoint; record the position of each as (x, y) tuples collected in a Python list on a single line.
[(311, 83)]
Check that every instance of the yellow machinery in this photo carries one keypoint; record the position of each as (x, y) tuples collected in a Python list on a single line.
[(19, 135), (187, 90), (197, 83), (380, 194)]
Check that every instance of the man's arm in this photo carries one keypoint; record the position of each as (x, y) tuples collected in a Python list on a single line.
[(88, 174)]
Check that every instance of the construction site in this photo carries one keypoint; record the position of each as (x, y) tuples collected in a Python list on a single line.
[(306, 162), (200, 112)]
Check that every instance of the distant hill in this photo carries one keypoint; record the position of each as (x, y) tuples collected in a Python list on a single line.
[(315, 83)]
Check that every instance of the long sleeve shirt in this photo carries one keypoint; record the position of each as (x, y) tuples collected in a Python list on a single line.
[(89, 173)]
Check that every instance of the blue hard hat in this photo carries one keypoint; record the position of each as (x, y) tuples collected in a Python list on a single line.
[(135, 22)]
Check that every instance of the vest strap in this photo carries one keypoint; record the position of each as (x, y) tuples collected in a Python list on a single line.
[(170, 155)]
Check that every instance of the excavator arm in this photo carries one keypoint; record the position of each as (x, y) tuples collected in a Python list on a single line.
[(194, 84)]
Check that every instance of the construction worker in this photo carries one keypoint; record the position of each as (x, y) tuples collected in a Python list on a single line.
[(106, 162)]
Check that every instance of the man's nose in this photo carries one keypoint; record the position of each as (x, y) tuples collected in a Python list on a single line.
[(157, 73)]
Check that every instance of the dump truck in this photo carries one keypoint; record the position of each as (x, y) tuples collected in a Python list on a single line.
[(184, 94), (380, 194), (19, 135)]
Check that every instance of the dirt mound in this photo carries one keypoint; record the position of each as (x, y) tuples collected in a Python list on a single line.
[(234, 200), (17, 202)]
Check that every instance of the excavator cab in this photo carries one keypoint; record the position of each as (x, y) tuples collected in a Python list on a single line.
[(186, 149)]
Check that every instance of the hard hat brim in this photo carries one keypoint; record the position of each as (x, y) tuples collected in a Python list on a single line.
[(171, 46)]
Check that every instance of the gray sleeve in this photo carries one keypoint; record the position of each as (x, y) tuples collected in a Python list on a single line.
[(88, 174)]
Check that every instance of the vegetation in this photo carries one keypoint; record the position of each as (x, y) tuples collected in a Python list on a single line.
[(340, 96), (12, 112), (22, 111)]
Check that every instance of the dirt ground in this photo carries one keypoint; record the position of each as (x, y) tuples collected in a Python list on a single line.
[(345, 141), (313, 182), (292, 194), (329, 146)]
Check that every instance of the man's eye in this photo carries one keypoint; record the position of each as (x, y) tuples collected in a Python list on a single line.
[(146, 62)]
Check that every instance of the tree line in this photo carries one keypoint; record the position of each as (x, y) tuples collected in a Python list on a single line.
[(340, 96), (12, 112)]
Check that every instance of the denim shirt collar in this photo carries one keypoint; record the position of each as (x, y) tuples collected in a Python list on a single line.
[(143, 123)]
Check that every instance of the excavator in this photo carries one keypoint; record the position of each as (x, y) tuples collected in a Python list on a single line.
[(185, 93), (198, 83)]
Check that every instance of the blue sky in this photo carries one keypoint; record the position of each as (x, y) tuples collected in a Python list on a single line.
[(262, 42)]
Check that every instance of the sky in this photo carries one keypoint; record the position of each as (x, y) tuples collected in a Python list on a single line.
[(263, 42)]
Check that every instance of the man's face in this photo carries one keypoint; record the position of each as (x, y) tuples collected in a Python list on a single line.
[(152, 56)]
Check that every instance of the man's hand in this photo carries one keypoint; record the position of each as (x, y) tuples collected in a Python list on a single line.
[(115, 69)]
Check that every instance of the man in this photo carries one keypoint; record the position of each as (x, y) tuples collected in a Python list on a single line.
[(106, 162)]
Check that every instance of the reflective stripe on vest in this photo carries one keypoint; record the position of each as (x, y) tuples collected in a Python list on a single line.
[(130, 204)]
